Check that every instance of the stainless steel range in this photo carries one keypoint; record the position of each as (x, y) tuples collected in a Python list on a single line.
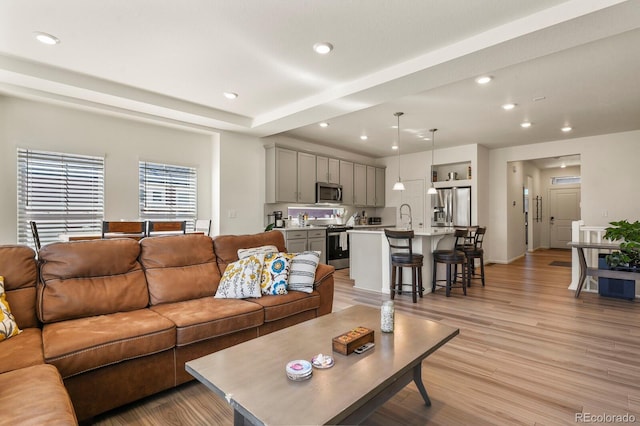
[(338, 246)]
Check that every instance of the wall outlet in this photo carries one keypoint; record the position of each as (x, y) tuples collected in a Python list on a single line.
[(232, 214), (605, 213)]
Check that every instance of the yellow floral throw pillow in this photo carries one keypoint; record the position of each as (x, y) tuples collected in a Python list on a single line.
[(8, 326), (241, 279), (275, 273)]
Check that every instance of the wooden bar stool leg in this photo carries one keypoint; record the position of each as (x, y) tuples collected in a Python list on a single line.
[(393, 282), (466, 280), (414, 289), (448, 287), (433, 278), (421, 288), (400, 281), (482, 269)]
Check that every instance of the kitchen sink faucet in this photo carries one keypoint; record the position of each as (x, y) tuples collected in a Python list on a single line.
[(408, 214)]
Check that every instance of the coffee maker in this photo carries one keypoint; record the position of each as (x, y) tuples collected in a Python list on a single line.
[(277, 219)]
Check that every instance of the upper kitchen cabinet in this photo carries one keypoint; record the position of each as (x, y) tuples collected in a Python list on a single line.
[(359, 184), (346, 180), (327, 169), (375, 186), (371, 186), (380, 182), (306, 178), (290, 176)]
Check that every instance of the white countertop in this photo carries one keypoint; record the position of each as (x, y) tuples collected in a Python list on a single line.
[(417, 231)]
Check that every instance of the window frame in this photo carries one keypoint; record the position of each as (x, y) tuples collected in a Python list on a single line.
[(167, 192), (62, 192)]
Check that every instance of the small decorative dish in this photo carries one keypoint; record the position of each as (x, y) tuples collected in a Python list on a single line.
[(299, 370), (322, 361)]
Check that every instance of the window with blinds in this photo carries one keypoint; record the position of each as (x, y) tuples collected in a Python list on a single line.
[(168, 192), (61, 192)]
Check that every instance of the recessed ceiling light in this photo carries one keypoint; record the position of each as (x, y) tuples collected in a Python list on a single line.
[(484, 79), (45, 38), (323, 48), (364, 137), (525, 124), (324, 124), (394, 147), (230, 95), (566, 129), (508, 107), (563, 165)]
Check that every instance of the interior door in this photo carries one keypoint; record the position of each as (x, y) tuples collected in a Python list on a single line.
[(564, 208)]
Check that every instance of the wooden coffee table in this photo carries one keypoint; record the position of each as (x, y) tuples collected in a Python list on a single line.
[(251, 375)]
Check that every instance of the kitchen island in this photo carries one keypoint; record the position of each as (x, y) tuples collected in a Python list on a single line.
[(369, 256)]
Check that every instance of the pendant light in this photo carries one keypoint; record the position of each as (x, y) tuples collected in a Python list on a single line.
[(432, 190), (398, 186)]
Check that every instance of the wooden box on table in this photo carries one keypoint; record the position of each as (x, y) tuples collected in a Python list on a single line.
[(349, 341)]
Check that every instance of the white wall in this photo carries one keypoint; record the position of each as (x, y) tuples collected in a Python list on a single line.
[(418, 166), (609, 171), (123, 142), (242, 190)]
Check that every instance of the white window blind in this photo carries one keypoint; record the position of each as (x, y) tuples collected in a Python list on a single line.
[(60, 192), (168, 192)]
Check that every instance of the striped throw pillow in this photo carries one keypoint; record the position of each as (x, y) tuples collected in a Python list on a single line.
[(303, 271)]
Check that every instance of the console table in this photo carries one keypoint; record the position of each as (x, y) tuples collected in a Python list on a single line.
[(595, 272)]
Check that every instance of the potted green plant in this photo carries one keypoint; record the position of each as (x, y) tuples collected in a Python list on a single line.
[(628, 257)]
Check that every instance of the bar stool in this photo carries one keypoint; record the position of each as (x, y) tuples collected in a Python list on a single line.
[(474, 252), (402, 256), (451, 258)]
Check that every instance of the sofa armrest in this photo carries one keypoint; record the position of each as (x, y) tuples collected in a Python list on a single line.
[(324, 284)]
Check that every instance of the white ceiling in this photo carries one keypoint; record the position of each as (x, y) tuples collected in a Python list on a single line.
[(171, 61)]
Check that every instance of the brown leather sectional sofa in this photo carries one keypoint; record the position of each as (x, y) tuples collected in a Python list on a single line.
[(31, 392), (119, 318)]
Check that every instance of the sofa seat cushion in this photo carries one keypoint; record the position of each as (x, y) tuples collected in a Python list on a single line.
[(207, 317), (35, 396), (21, 351), (79, 345), (282, 306)]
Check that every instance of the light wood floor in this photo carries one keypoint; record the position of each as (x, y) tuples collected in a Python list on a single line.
[(528, 353)]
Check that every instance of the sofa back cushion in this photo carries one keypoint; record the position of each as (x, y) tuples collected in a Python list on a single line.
[(179, 267), (226, 246), (87, 278), (20, 272)]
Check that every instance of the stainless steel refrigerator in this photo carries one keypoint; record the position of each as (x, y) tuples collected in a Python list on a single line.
[(451, 207)]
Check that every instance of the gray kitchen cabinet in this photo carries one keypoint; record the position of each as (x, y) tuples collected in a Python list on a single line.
[(296, 246), (299, 240), (380, 191), (371, 186), (290, 176), (327, 169), (306, 178), (346, 180), (359, 184)]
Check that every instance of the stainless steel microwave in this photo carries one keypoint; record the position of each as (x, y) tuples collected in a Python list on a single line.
[(328, 193)]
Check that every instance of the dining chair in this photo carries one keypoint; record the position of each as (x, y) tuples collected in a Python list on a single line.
[(123, 229), (162, 227), (34, 232), (203, 225), (402, 256)]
